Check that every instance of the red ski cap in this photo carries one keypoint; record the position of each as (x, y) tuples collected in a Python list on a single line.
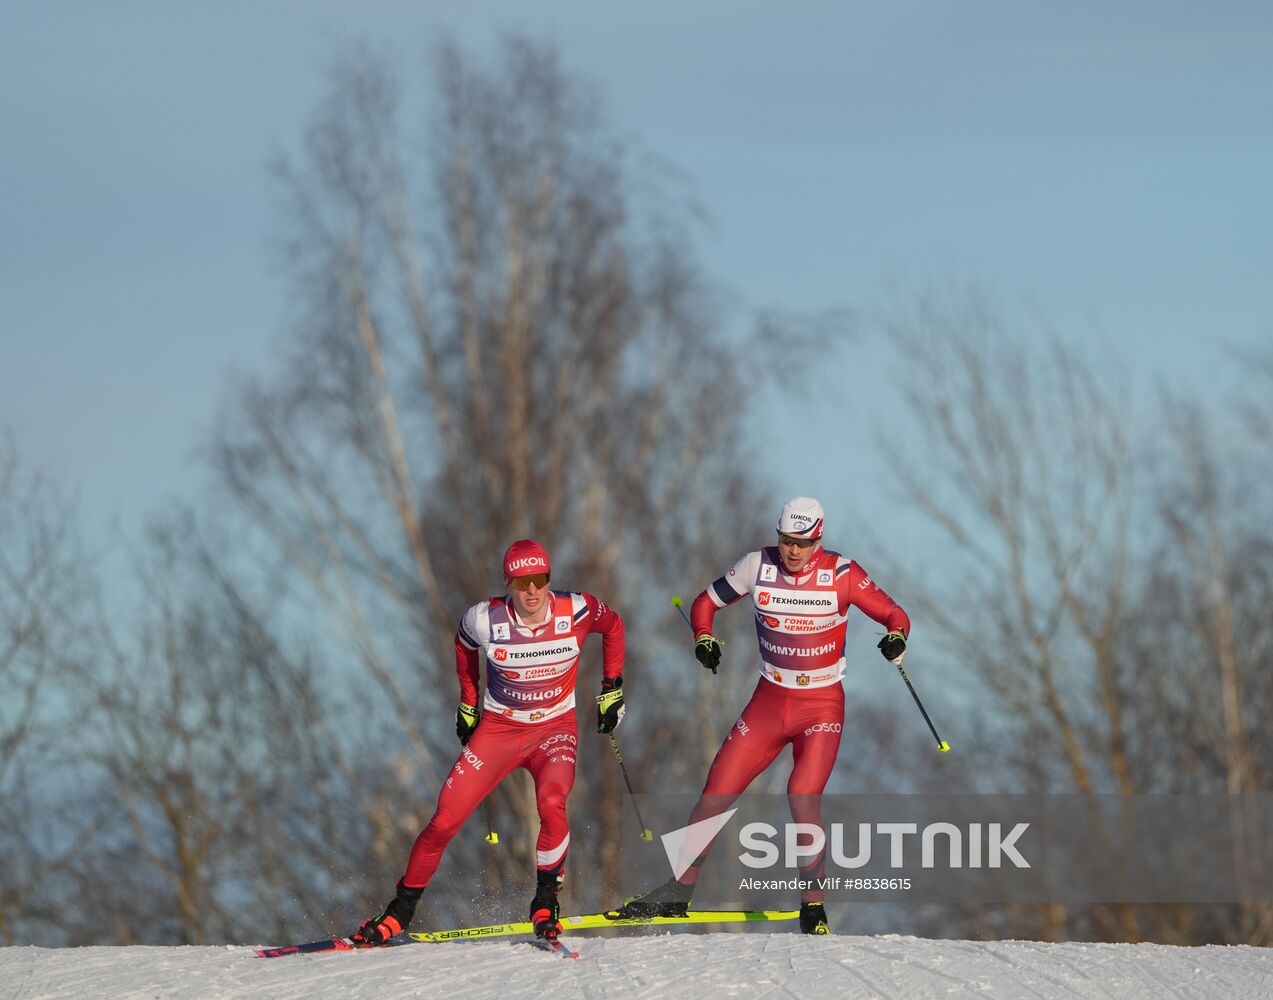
[(525, 558)]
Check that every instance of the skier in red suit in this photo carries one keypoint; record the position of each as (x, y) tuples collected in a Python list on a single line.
[(532, 637), (801, 594)]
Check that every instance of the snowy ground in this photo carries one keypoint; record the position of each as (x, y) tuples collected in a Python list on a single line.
[(688, 966)]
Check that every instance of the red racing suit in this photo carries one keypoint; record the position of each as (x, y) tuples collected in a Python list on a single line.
[(800, 630), (528, 719)]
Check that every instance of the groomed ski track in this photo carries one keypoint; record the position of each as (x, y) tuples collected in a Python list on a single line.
[(786, 965)]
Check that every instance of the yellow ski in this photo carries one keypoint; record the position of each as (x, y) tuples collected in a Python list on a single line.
[(589, 921)]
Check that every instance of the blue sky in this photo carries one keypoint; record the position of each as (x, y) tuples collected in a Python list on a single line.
[(1106, 165)]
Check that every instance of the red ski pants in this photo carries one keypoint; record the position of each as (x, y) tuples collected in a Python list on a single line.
[(811, 721), (546, 749)]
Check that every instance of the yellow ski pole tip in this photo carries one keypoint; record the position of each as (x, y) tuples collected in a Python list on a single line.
[(676, 600), (647, 834), (492, 837), (943, 747)]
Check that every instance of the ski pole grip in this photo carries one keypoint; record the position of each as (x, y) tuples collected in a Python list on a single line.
[(680, 606)]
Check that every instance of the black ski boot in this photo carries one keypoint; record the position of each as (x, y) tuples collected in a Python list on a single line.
[(543, 908), (671, 899), (395, 919), (813, 919)]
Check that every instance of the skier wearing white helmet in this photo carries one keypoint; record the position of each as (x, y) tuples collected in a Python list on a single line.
[(801, 595)]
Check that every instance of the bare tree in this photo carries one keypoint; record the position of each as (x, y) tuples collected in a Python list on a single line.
[(1207, 622), (208, 764), (496, 338), (1104, 612), (1026, 471), (46, 590)]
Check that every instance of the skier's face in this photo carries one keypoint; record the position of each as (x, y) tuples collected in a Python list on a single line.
[(530, 596), (795, 552)]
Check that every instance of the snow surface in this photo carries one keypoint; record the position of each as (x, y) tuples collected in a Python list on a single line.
[(683, 966)]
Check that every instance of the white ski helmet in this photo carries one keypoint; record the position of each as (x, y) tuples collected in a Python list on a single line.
[(801, 517)]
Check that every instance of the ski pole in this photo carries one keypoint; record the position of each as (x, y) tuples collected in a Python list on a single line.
[(942, 745), (646, 832), (680, 606), (491, 836)]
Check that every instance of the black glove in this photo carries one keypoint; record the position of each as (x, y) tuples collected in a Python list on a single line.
[(610, 705), (707, 650), (893, 646), (466, 719)]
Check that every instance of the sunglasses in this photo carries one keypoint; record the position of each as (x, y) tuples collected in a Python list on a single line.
[(801, 543), (540, 580)]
